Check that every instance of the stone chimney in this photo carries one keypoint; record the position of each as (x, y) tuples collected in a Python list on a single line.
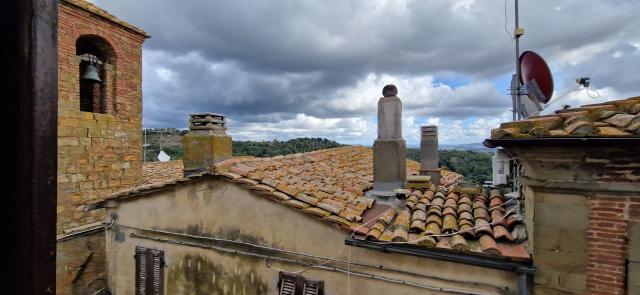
[(389, 150), (207, 143), (429, 153)]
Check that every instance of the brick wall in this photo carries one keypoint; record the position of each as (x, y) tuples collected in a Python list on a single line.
[(607, 237), (98, 154)]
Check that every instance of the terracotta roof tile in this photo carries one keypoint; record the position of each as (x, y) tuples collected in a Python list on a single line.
[(334, 180), (447, 223), (322, 183), (160, 172), (619, 118)]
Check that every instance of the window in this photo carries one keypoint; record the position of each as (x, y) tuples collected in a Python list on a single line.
[(95, 74), (149, 271), (290, 284)]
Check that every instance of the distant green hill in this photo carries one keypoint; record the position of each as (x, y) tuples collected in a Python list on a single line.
[(171, 142), (475, 166), (275, 147)]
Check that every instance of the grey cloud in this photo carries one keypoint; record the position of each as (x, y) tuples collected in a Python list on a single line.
[(616, 68), (263, 61)]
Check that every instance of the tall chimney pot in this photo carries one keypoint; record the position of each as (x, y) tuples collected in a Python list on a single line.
[(389, 149), (429, 153), (207, 143)]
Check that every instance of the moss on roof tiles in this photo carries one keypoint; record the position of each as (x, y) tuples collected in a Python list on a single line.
[(618, 118)]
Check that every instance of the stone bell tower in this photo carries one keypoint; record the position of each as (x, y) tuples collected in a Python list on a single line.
[(389, 149)]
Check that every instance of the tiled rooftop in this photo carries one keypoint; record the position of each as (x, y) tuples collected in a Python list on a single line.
[(160, 172), (448, 220), (330, 184), (90, 7), (619, 118)]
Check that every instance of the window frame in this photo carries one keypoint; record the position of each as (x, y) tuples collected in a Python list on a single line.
[(149, 271), (299, 282)]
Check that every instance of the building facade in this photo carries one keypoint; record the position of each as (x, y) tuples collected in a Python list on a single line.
[(214, 235), (581, 181), (99, 131), (303, 224)]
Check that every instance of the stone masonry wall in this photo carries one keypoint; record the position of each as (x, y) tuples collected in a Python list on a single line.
[(98, 154), (560, 243), (584, 204)]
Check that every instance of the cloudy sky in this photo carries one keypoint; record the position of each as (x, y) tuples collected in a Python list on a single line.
[(315, 68)]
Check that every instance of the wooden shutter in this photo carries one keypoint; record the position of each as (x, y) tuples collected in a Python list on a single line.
[(291, 284), (149, 271)]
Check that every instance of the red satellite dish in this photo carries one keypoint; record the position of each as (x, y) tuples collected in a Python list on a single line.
[(533, 67)]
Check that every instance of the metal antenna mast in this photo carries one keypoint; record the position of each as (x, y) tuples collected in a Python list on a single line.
[(517, 32), (515, 82)]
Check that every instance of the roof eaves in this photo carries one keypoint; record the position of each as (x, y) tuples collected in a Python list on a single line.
[(562, 141), (494, 262)]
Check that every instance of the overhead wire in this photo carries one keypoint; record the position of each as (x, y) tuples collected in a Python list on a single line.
[(290, 252), (597, 94), (321, 265), (511, 37), (309, 265)]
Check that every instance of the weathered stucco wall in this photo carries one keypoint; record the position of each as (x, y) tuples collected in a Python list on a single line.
[(218, 208)]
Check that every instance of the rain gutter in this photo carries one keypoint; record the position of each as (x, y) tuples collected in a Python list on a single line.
[(523, 269), (563, 141)]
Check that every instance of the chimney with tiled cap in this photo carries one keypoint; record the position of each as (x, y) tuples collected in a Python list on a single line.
[(429, 153), (207, 143), (389, 149)]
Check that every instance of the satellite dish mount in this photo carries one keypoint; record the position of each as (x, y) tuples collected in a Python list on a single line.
[(532, 79)]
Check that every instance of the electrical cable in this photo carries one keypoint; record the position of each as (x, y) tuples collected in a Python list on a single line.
[(597, 94), (377, 267), (511, 37), (327, 260), (317, 266)]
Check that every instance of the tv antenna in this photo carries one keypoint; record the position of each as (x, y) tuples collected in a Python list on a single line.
[(144, 146), (532, 78), (162, 156)]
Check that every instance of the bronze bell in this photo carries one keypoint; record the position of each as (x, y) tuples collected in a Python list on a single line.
[(91, 73)]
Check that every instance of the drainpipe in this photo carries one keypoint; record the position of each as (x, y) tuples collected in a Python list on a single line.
[(523, 283)]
